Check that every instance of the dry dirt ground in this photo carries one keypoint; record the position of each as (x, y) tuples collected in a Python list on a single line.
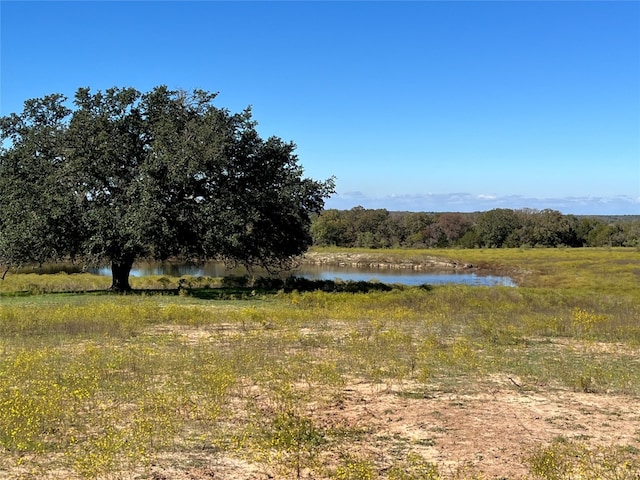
[(487, 434)]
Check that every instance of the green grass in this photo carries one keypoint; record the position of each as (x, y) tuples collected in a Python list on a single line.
[(96, 385), (615, 269)]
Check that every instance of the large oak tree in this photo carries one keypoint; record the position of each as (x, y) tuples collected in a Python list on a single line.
[(122, 175)]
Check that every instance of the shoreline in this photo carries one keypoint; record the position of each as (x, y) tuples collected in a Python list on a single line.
[(360, 260)]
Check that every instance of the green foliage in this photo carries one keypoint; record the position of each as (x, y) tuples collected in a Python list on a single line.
[(330, 228), (36, 206), (497, 228), (125, 175), (414, 467), (355, 469), (293, 442), (365, 228), (448, 230), (569, 460)]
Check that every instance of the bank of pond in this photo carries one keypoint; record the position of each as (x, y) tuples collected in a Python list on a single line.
[(321, 274)]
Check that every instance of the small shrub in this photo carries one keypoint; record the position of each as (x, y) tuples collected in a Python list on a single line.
[(235, 281), (569, 460), (414, 467), (268, 283), (355, 469)]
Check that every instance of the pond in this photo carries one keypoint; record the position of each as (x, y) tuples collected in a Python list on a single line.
[(325, 272)]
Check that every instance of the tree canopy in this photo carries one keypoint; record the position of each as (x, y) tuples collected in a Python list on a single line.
[(500, 227), (122, 175)]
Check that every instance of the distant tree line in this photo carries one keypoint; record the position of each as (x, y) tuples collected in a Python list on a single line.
[(501, 227)]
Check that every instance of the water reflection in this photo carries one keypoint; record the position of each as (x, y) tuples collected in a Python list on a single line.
[(323, 272), (414, 278)]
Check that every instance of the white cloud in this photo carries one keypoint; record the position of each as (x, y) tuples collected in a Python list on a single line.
[(467, 202)]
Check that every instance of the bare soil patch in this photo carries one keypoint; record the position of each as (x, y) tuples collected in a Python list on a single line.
[(488, 434), (492, 431)]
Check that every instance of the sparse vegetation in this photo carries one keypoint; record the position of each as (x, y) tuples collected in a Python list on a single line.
[(399, 384)]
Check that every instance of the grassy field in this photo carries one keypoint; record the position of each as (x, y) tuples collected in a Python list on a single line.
[(541, 381)]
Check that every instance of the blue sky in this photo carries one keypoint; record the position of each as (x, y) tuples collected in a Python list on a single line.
[(421, 106)]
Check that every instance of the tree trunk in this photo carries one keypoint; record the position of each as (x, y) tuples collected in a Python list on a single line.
[(120, 269)]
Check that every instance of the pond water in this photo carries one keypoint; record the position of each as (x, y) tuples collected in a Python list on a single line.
[(324, 272), (405, 276)]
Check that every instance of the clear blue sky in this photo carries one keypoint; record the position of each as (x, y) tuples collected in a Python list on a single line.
[(422, 106)]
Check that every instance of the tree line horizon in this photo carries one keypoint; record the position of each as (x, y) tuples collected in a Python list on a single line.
[(496, 228)]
